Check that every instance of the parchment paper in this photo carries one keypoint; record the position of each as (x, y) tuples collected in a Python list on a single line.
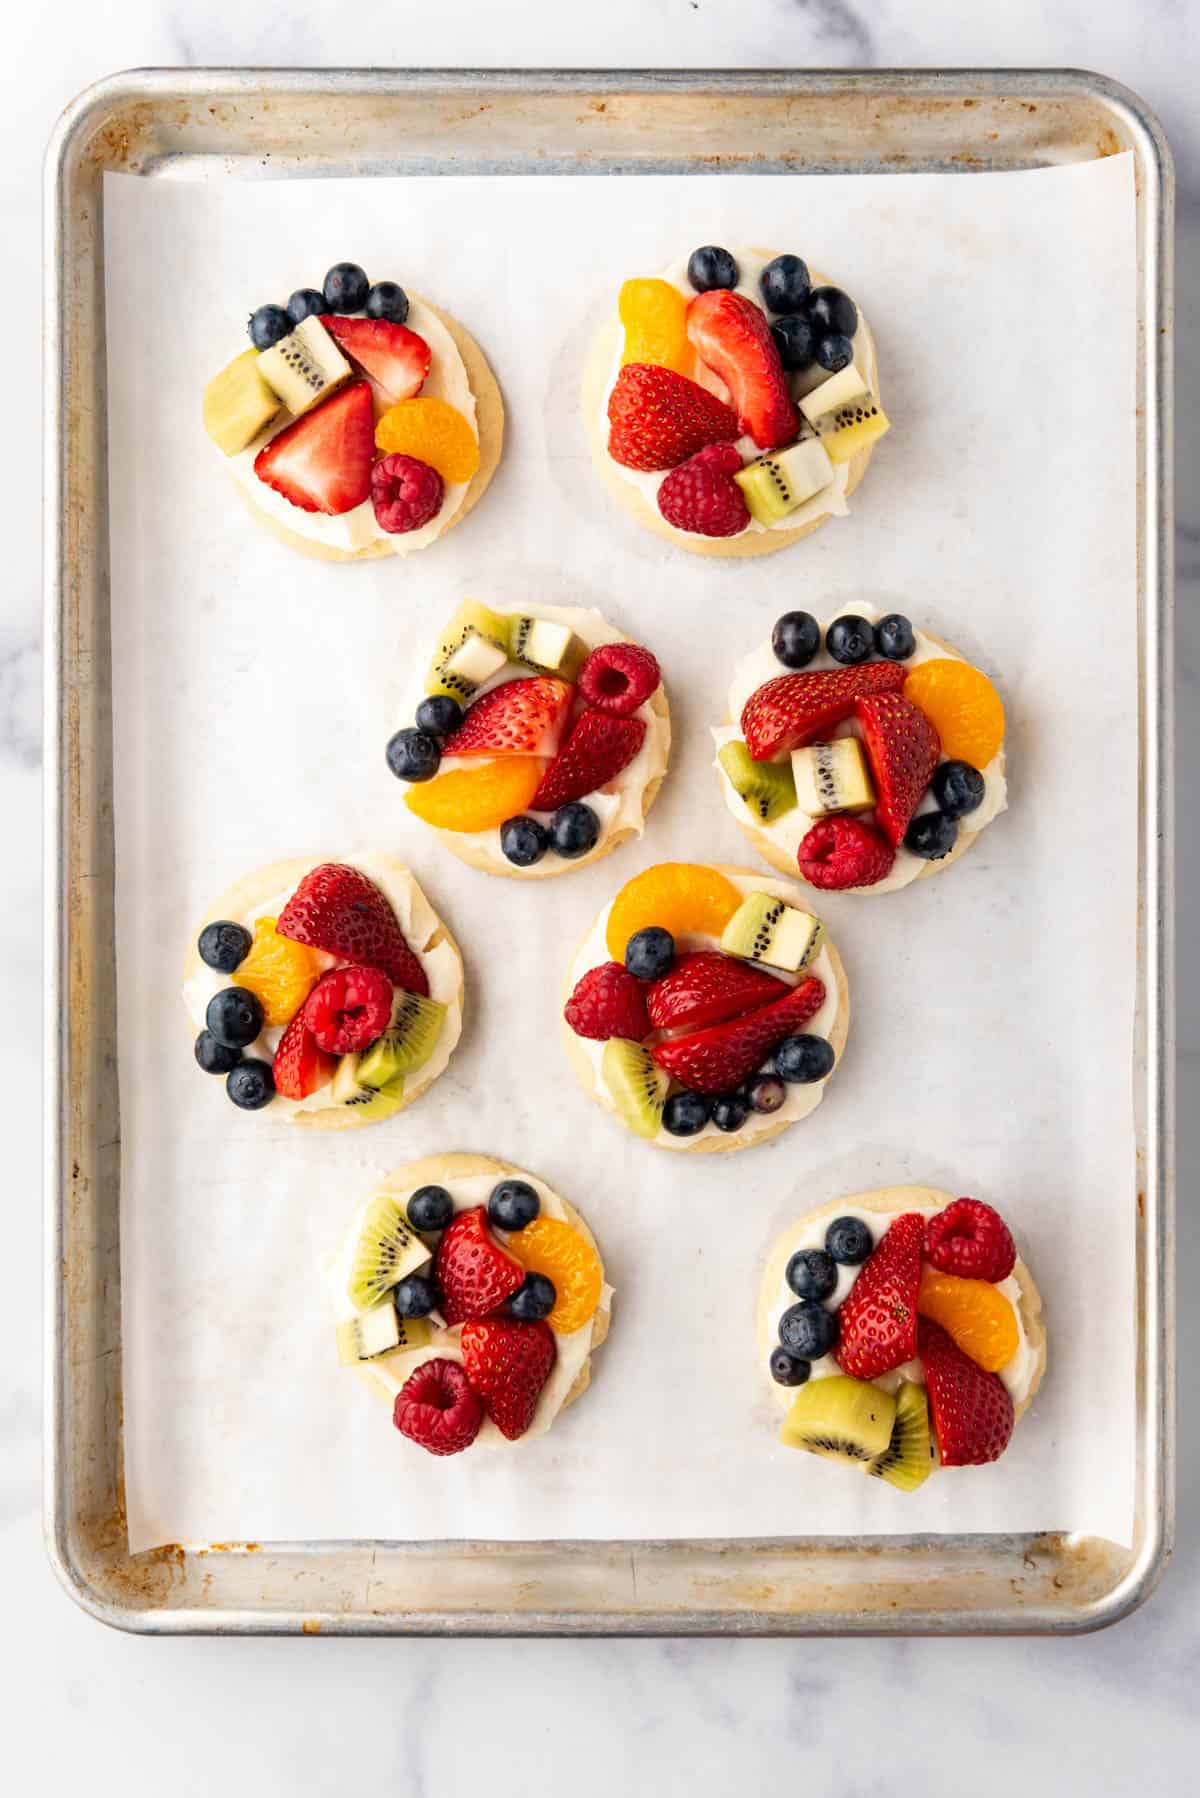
[(991, 1044)]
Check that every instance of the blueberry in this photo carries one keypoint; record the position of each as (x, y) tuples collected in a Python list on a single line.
[(224, 946), (235, 1016), (650, 952), (413, 755), (794, 340), (931, 835), (849, 1241), (831, 312), (807, 1329), (345, 288), (710, 267), (215, 1057), (785, 284), (789, 1370), (834, 352), (803, 1059), (574, 829), (387, 300), (958, 788), (267, 326), (251, 1084), (306, 302), (812, 1273), (513, 1204), (766, 1094), (430, 1208), (524, 841), (534, 1298), (729, 1112), (438, 715), (850, 639), (894, 637), (415, 1296), (796, 639), (685, 1114)]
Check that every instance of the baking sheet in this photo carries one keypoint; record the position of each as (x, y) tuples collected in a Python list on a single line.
[(992, 1038)]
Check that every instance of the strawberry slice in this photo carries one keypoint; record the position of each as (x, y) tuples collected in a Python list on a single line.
[(507, 1363), (720, 1058), (391, 354), (708, 988), (877, 1322), (301, 1066), (322, 463), (731, 335), (523, 717), (473, 1272), (658, 418), (595, 752), (793, 709), (903, 749), (338, 909), (972, 1411)]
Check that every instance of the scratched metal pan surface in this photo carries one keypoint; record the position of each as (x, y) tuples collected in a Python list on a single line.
[(213, 124)]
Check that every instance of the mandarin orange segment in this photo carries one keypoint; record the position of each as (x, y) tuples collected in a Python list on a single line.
[(654, 315), (433, 431), (554, 1248), (963, 707), (975, 1313), (683, 897), (478, 798), (279, 972)]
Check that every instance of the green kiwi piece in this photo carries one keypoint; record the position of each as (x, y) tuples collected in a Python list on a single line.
[(471, 620), (406, 1044), (907, 1461), (637, 1085), (387, 1247), (768, 930), (368, 1101), (768, 788), (840, 1418), (546, 647)]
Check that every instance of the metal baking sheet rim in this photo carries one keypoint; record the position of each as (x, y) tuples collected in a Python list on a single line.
[(143, 120)]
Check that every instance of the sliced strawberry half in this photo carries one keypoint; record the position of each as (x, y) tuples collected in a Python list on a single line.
[(972, 1410), (507, 1363), (659, 418), (523, 717), (322, 463), (903, 749), (473, 1272), (720, 1058), (393, 355), (709, 988), (597, 749), (731, 335), (338, 909), (793, 709), (301, 1066), (877, 1322)]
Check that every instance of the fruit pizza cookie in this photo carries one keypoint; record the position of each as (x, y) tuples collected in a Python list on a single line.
[(732, 404), (539, 741), (330, 991), (362, 422), (901, 1332), (706, 1007), (470, 1296), (864, 754)]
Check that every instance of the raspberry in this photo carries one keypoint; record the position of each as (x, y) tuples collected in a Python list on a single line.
[(618, 677), (348, 1008), (972, 1240), (608, 1002), (405, 493), (436, 1408), (844, 852), (701, 496)]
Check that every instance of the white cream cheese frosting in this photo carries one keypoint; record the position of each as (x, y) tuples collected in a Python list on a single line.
[(831, 501), (786, 832)]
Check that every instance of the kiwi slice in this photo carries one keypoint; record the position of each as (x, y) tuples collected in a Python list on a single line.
[(845, 414), (379, 1331), (238, 404), (636, 1084), (832, 777), (768, 788), (386, 1248), (546, 647), (840, 1418), (369, 1101), (776, 485), (473, 648), (769, 930), (405, 1045), (907, 1461)]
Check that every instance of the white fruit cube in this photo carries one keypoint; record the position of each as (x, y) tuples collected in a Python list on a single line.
[(838, 390), (372, 1332), (832, 777), (475, 660)]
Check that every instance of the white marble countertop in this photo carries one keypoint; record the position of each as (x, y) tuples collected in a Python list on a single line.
[(83, 1706)]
